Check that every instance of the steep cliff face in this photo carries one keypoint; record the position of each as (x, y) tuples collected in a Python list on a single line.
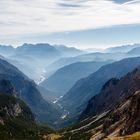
[(125, 118), (114, 112), (112, 93), (12, 107), (122, 120)]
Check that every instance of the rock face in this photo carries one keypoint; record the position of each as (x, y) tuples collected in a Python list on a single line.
[(125, 117), (16, 119), (132, 122), (11, 107), (113, 92), (117, 114), (120, 121)]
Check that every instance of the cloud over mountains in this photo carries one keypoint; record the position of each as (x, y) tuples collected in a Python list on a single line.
[(26, 17)]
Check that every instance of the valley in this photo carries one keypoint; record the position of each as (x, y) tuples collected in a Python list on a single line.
[(69, 69), (80, 98)]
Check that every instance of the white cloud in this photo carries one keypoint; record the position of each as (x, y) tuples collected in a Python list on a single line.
[(25, 17)]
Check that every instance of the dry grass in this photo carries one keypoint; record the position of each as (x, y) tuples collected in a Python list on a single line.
[(51, 137), (135, 136)]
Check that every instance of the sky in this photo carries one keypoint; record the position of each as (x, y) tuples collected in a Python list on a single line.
[(75, 23)]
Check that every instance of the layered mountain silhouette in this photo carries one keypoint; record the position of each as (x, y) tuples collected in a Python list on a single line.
[(28, 92), (64, 78), (118, 114), (96, 56), (6, 50), (33, 59), (68, 51), (122, 49), (135, 51), (115, 90), (76, 98), (98, 93), (39, 61)]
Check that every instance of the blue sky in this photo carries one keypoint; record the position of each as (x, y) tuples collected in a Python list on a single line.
[(79, 23)]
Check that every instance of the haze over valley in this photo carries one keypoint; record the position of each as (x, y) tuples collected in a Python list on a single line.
[(70, 70)]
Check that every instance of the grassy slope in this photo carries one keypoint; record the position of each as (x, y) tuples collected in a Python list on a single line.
[(135, 136)]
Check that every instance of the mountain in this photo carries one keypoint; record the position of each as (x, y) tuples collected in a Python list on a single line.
[(90, 50), (64, 78), (28, 92), (39, 61), (6, 50), (46, 94), (68, 51), (122, 49), (47, 49), (129, 112), (122, 122), (135, 51), (114, 90), (120, 115), (77, 97), (96, 56), (16, 119), (34, 59), (37, 50), (6, 87), (37, 54)]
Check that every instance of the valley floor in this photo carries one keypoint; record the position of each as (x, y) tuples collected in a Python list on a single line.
[(135, 136), (52, 137)]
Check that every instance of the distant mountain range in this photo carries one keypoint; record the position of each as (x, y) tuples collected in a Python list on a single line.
[(6, 50), (39, 61), (68, 51), (33, 59), (135, 51), (122, 49), (40, 48), (84, 58), (64, 78), (97, 94)]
